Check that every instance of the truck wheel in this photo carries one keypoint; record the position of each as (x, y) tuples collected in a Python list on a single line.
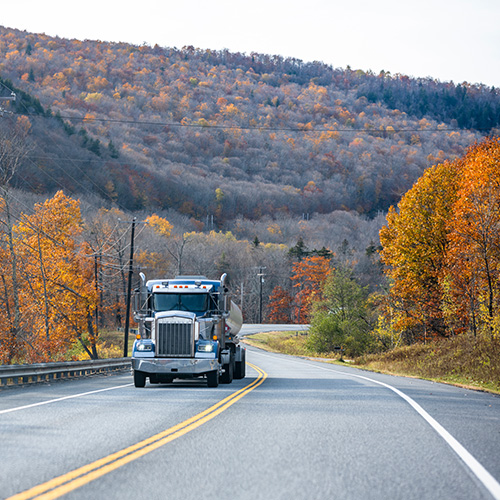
[(240, 366), (139, 378), (227, 376), (213, 378)]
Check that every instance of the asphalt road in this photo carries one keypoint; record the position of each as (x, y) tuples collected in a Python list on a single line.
[(301, 430)]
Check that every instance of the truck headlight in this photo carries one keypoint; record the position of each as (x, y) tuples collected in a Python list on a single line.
[(144, 347), (205, 348)]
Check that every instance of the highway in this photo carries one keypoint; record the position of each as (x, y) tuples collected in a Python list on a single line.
[(292, 429)]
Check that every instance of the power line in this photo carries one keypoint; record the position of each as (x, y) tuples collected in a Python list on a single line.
[(303, 129), (72, 161), (20, 219)]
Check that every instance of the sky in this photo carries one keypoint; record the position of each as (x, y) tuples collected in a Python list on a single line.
[(448, 40)]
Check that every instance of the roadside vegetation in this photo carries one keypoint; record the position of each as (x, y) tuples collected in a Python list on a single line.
[(293, 343), (464, 360), (108, 345)]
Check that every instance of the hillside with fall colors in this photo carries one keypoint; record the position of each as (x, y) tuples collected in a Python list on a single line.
[(253, 165), (214, 133)]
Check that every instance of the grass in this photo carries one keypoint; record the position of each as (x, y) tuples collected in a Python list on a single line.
[(466, 361), (110, 345), (293, 343)]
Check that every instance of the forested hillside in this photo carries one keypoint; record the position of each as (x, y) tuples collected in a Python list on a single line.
[(225, 135), (254, 165)]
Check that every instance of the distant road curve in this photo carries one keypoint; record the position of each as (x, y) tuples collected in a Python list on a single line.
[(249, 329)]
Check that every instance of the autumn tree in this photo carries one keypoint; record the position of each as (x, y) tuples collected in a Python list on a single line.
[(415, 242), (473, 265), (442, 249), (160, 225), (280, 306), (59, 280), (308, 277), (13, 150)]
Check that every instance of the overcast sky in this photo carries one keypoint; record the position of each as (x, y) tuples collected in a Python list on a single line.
[(456, 40)]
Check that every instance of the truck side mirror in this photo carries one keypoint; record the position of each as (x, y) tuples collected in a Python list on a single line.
[(143, 294)]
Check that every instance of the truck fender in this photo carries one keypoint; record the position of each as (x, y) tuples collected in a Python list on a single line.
[(239, 353), (225, 357)]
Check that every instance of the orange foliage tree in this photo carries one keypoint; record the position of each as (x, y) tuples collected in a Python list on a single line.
[(473, 265), (308, 277), (280, 306), (414, 250), (442, 249), (59, 289)]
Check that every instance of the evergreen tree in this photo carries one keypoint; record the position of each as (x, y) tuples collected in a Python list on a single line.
[(299, 251)]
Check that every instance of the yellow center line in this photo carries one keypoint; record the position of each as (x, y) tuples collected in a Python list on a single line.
[(75, 479)]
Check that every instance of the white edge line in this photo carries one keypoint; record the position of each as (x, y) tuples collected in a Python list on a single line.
[(488, 481), (17, 408)]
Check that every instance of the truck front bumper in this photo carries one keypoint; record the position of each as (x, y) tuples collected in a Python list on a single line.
[(175, 366)]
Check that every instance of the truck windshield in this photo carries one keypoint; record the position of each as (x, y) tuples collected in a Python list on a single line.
[(192, 302)]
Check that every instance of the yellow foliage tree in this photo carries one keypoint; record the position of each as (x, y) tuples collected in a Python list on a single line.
[(60, 289), (160, 225), (442, 249), (414, 250)]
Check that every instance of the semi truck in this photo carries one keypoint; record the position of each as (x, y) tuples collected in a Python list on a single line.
[(187, 328)]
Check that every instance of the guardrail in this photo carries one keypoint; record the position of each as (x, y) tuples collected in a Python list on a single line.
[(43, 372)]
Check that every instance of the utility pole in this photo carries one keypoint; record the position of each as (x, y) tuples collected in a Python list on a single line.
[(129, 290), (96, 277), (261, 281), (241, 299)]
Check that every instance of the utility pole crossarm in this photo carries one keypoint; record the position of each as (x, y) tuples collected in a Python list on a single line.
[(11, 97)]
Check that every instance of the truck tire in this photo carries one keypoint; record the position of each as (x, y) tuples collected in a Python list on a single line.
[(139, 378), (213, 378), (227, 376), (240, 367)]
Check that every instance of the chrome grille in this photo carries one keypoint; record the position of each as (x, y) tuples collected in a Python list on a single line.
[(175, 339)]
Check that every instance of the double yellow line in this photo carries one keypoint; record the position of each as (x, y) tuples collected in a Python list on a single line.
[(79, 477)]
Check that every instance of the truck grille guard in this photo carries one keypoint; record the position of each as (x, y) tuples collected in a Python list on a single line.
[(175, 338)]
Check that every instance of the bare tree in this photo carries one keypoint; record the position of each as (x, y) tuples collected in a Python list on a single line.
[(13, 151)]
